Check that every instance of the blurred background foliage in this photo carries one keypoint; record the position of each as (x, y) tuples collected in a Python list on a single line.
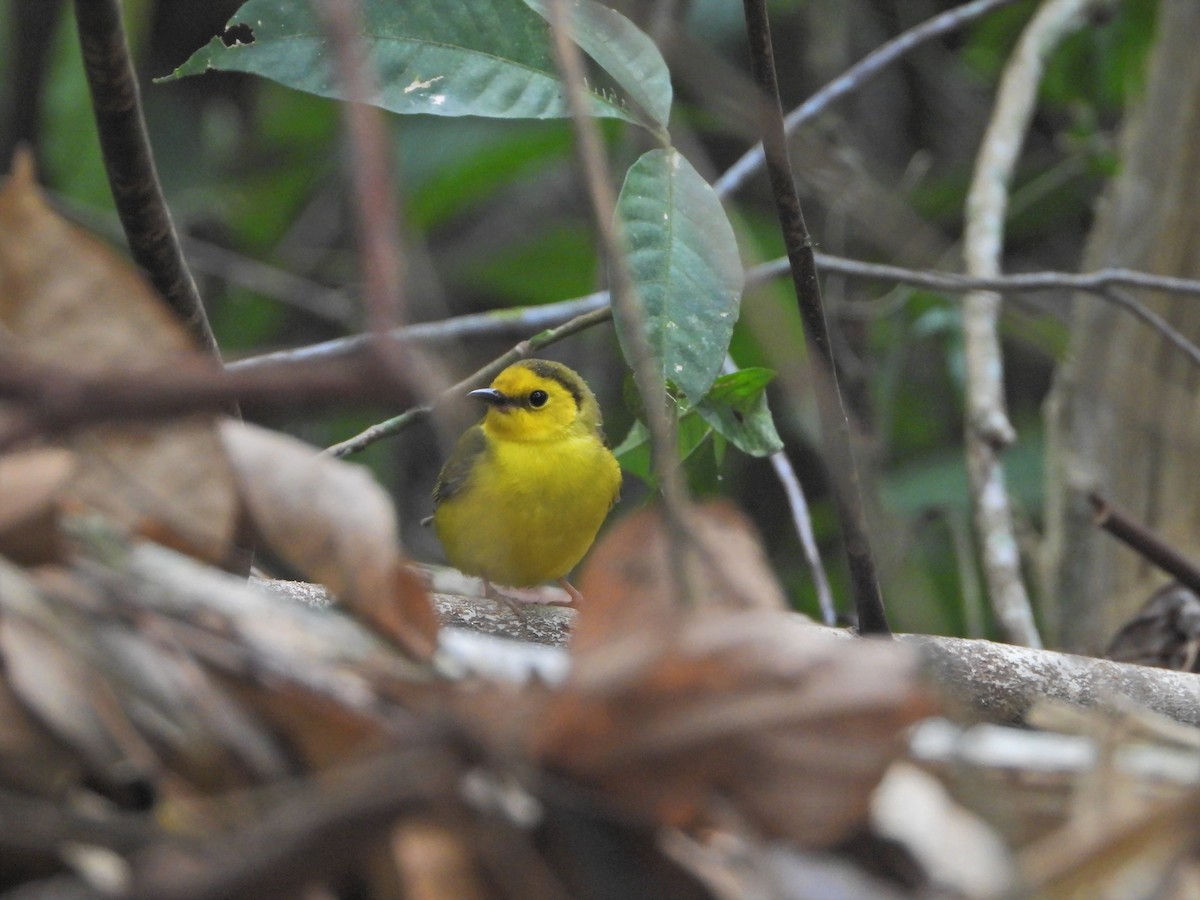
[(496, 218)]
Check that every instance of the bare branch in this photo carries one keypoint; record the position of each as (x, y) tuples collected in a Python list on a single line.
[(369, 167), (855, 77), (804, 530), (129, 162), (660, 418), (835, 425), (1145, 542), (515, 323), (523, 350), (988, 430), (802, 522), (43, 399)]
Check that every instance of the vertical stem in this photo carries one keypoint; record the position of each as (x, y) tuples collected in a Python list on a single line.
[(988, 430), (369, 168), (835, 425), (129, 163), (626, 302), (377, 223)]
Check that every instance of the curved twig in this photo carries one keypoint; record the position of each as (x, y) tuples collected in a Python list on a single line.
[(129, 163)]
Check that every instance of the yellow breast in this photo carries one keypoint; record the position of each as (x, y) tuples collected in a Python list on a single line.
[(529, 511)]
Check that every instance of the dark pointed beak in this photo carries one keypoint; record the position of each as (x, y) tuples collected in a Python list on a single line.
[(490, 396)]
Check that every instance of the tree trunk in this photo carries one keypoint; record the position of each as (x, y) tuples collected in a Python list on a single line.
[(1124, 415)]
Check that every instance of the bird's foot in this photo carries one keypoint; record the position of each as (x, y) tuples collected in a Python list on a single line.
[(572, 592), (515, 599)]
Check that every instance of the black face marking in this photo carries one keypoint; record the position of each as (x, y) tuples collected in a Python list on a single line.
[(545, 370)]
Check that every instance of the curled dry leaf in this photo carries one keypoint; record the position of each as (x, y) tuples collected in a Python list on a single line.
[(74, 303), (753, 712), (55, 683), (30, 485), (120, 690), (333, 523), (32, 759), (626, 582)]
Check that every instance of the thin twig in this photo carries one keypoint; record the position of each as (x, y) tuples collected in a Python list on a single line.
[(804, 530), (1096, 282), (988, 430), (835, 425), (500, 323), (1144, 541), (1145, 314), (523, 350), (802, 522), (129, 163), (626, 301), (513, 323), (371, 180), (316, 359), (855, 78)]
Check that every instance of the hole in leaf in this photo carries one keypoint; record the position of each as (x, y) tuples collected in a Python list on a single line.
[(237, 34)]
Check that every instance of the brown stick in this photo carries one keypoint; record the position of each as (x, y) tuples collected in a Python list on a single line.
[(1137, 536), (129, 162)]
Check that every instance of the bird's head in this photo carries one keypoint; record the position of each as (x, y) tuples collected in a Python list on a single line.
[(538, 400)]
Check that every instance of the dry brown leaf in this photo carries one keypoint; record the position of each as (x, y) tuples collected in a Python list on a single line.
[(333, 523), (749, 710), (32, 760), (1118, 859), (53, 683), (319, 731), (626, 582), (121, 691), (74, 303), (31, 483), (751, 714)]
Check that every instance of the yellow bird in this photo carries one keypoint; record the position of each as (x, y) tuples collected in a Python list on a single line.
[(522, 496)]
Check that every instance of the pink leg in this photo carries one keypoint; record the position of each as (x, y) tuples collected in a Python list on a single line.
[(573, 592)]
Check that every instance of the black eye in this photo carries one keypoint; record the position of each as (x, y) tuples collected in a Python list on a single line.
[(538, 398)]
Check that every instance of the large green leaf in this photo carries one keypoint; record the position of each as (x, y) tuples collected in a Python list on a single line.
[(684, 262), (442, 57), (622, 49)]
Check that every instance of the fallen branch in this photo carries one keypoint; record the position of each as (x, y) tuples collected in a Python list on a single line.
[(985, 680)]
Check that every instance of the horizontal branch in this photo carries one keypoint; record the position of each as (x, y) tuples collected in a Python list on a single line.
[(42, 398), (49, 398), (516, 323), (990, 682)]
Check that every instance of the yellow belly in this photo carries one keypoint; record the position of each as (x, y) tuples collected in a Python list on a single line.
[(531, 511)]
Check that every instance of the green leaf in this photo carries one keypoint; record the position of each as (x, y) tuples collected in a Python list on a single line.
[(736, 408), (622, 49), (684, 261), (479, 58), (634, 452)]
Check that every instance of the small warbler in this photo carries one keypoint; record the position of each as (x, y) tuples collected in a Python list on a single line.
[(522, 496)]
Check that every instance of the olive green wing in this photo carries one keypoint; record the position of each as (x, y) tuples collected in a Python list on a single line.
[(456, 473)]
